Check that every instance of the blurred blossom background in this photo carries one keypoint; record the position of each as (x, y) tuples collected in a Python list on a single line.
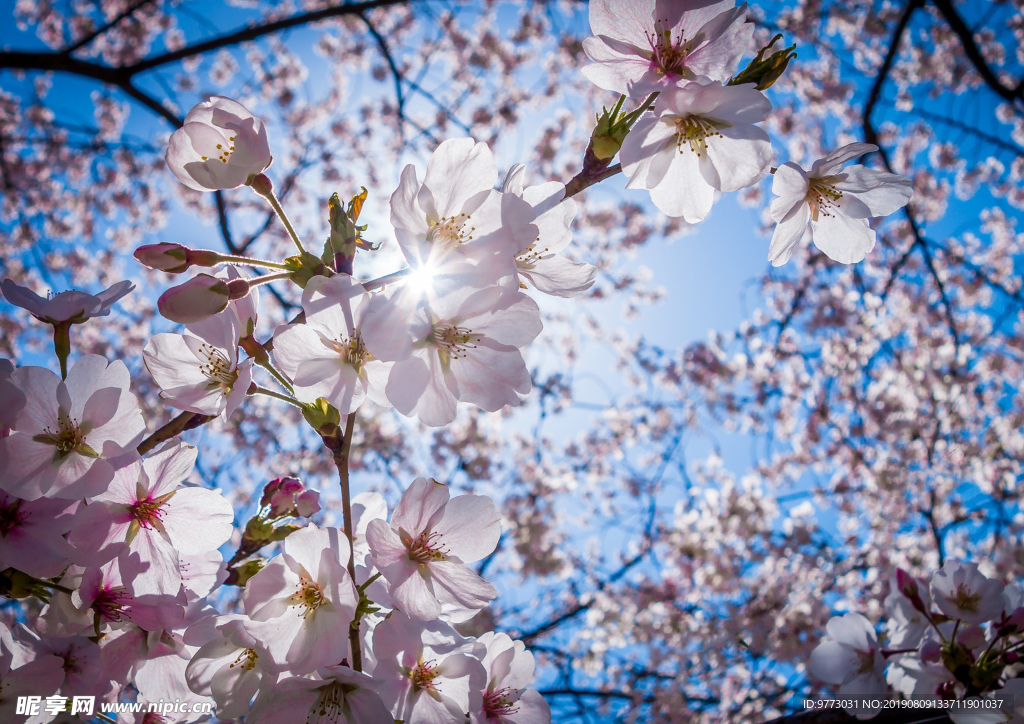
[(717, 455)]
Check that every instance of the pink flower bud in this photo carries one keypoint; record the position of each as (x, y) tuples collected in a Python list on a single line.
[(908, 587), (971, 637), (1012, 623), (307, 504), (172, 258), (195, 300), (279, 494), (1011, 657), (930, 652)]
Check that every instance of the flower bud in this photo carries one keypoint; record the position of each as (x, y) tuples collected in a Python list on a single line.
[(971, 637), (908, 587), (930, 652), (1011, 657), (195, 300), (172, 258), (1012, 623), (307, 503), (765, 71)]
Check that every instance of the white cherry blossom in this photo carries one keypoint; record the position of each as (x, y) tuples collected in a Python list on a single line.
[(429, 672), (838, 203), (455, 227), (466, 349), (699, 139), (541, 264), (200, 373), (338, 695), (424, 550), (961, 591), (325, 356), (851, 660), (147, 519), (506, 700), (228, 668), (71, 306), (69, 435), (643, 46), (219, 146), (302, 602)]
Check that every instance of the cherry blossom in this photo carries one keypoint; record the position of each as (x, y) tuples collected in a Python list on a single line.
[(429, 672), (228, 668), (466, 349), (455, 226), (221, 145), (200, 373), (32, 534), (71, 306), (645, 46), (838, 202), (962, 592), (300, 600), (25, 672), (338, 695), (70, 435), (700, 138), (509, 668), (853, 661), (325, 356), (288, 497), (147, 519), (424, 549), (541, 263)]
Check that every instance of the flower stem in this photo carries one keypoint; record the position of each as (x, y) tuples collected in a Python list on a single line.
[(341, 459), (386, 279), (267, 278), (62, 346), (255, 389), (247, 261), (271, 198)]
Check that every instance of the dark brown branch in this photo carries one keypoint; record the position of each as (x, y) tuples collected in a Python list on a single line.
[(395, 73), (974, 54), (97, 32), (585, 179)]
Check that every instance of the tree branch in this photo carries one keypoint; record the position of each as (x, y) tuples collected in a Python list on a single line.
[(974, 54)]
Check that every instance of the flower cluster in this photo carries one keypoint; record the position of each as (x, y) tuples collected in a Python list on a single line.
[(958, 638)]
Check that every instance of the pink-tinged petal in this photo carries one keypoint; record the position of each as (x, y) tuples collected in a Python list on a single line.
[(617, 65), (625, 20), (38, 389), (729, 37), (151, 564), (168, 467), (405, 213), (507, 317), (367, 708), (456, 584), (309, 545), (843, 239), (121, 650), (233, 689), (198, 520), (558, 276), (417, 386), (266, 594), (207, 661), (852, 629), (329, 305), (29, 469), (463, 680), (835, 160), (470, 527), (647, 152), (531, 708), (832, 662), (787, 234), (99, 533), (491, 376), (416, 597), (387, 548), (459, 169), (420, 502)]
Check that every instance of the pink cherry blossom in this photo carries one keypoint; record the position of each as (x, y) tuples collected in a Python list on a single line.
[(644, 46), (455, 226), (302, 602), (200, 373), (70, 435), (424, 550), (325, 356), (70, 306), (852, 660), (429, 672), (32, 534), (542, 264), (838, 203), (228, 668), (220, 146), (25, 671), (466, 349), (506, 700), (700, 139), (962, 592), (147, 519), (338, 695)]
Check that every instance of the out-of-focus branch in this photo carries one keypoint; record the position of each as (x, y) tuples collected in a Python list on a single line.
[(395, 73), (974, 54), (97, 32)]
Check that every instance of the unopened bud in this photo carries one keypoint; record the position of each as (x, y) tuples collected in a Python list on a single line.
[(605, 146), (238, 288), (930, 652), (1011, 657), (762, 71), (171, 258), (971, 637), (307, 503), (197, 299), (909, 588), (262, 184), (1012, 623)]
